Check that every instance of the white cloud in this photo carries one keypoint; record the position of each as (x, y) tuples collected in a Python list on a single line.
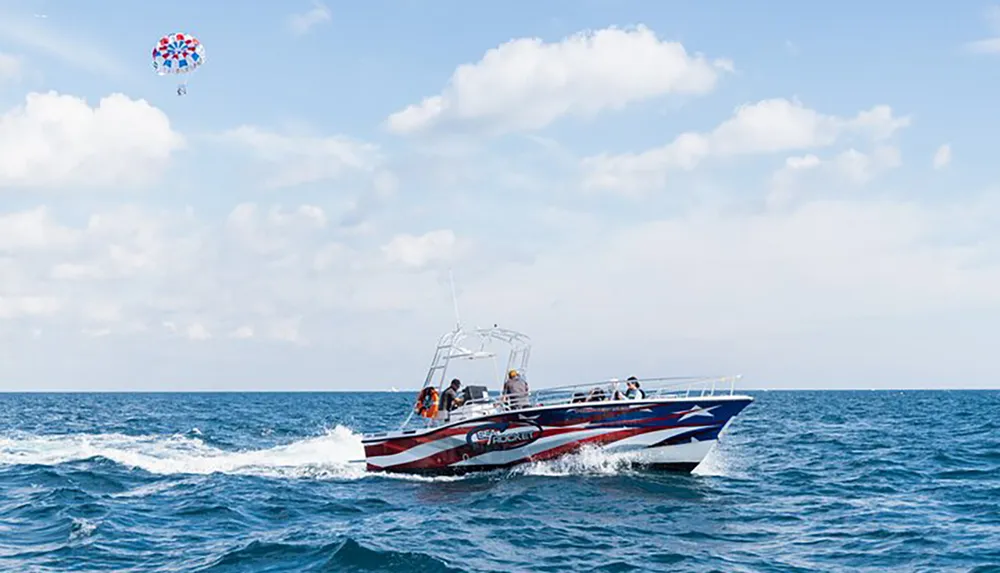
[(768, 126), (59, 140), (860, 168), (125, 269), (10, 67), (333, 255), (526, 83), (709, 278), (942, 157), (103, 311), (417, 252), (34, 229), (275, 230), (988, 45), (848, 169), (197, 331), (719, 276), (301, 23), (21, 306), (299, 159), (242, 332)]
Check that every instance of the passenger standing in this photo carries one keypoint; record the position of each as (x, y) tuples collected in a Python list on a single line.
[(515, 391)]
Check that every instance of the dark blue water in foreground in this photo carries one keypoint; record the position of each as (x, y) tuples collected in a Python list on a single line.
[(803, 481)]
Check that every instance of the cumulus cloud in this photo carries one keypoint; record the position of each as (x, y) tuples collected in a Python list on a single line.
[(58, 140), (21, 306), (273, 230), (765, 127), (259, 274), (526, 83), (34, 229), (198, 332), (268, 289), (707, 278), (849, 169), (419, 251)]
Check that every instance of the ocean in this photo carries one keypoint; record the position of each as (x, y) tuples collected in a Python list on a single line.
[(264, 482)]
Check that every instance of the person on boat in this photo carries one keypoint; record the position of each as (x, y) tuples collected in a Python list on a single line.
[(515, 390), (596, 394), (450, 398), (427, 402), (634, 392)]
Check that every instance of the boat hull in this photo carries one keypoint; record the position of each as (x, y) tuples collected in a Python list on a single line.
[(672, 434)]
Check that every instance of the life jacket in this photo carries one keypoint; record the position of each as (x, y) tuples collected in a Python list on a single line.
[(427, 402)]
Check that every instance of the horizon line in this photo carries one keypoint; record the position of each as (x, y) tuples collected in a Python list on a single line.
[(400, 391)]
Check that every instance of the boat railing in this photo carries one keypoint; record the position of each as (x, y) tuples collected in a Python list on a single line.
[(653, 388), (672, 387)]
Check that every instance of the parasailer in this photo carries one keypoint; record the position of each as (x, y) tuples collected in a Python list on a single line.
[(179, 54)]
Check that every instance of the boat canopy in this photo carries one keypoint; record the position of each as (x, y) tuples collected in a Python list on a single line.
[(454, 346)]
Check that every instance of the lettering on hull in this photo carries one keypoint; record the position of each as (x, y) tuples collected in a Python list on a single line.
[(503, 435)]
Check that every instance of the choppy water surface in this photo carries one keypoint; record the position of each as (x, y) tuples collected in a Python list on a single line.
[(803, 481)]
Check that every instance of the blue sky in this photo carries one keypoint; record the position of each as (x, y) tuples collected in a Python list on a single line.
[(805, 195)]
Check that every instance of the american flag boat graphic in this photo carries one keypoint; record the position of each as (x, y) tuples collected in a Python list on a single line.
[(659, 423)]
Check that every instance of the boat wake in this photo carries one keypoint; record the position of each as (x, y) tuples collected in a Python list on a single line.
[(334, 454)]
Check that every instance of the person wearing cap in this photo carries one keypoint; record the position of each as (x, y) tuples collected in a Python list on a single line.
[(515, 390), (634, 392), (450, 398)]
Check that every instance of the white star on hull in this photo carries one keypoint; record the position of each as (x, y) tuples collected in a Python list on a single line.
[(698, 411)]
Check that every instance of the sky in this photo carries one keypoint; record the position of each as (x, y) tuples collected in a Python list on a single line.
[(807, 196)]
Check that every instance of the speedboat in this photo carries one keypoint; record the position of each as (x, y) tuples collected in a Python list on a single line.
[(673, 426)]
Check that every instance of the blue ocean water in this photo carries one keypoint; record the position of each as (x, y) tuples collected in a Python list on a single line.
[(802, 481)]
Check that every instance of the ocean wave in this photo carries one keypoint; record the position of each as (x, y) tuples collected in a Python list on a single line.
[(881, 485), (344, 556)]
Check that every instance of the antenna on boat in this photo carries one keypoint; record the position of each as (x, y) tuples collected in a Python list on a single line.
[(454, 299)]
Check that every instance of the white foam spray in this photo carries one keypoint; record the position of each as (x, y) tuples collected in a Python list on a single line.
[(588, 461), (333, 454)]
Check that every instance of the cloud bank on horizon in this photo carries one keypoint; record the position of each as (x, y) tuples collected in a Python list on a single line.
[(635, 186)]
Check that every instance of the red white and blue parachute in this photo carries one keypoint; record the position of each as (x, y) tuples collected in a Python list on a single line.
[(178, 53)]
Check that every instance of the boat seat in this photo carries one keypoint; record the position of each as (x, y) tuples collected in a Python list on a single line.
[(475, 393)]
